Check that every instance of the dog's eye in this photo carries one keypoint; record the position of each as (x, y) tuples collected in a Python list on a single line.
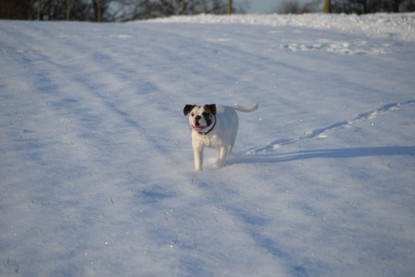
[(192, 114), (205, 114)]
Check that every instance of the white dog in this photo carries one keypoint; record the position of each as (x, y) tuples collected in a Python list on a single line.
[(215, 127)]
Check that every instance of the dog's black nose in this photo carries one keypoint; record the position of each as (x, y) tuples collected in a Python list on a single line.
[(198, 117)]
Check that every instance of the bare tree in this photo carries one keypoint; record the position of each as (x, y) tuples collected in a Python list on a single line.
[(158, 8), (16, 9), (100, 7), (230, 7), (327, 6), (108, 10), (68, 9), (372, 6), (295, 7)]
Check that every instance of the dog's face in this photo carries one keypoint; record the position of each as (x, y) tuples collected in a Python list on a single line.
[(202, 118)]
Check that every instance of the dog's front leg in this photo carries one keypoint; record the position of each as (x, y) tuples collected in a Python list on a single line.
[(198, 155)]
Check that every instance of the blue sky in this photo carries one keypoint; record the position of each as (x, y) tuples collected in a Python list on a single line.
[(260, 6)]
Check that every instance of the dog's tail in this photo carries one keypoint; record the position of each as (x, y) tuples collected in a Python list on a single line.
[(245, 109)]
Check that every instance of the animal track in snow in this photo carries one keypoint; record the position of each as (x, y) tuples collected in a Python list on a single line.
[(320, 133)]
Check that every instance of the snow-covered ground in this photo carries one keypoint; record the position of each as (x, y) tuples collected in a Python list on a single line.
[(96, 165)]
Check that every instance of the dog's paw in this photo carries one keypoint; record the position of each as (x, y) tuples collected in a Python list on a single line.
[(219, 163)]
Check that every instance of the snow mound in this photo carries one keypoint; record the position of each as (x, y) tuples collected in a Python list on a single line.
[(401, 25)]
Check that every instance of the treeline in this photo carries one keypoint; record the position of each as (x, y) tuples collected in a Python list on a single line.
[(372, 6), (125, 10), (109, 10), (347, 6)]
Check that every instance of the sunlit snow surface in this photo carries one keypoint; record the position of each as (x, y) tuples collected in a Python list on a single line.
[(96, 165)]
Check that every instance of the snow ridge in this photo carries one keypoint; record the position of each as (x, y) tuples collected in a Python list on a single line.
[(400, 25)]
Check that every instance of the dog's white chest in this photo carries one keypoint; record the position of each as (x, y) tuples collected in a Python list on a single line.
[(210, 140)]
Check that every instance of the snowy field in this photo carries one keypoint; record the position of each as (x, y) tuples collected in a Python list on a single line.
[(96, 165)]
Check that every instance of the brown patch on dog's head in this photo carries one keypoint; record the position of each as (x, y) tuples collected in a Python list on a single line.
[(211, 108), (188, 108)]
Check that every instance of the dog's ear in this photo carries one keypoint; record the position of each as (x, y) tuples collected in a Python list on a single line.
[(211, 108), (187, 109)]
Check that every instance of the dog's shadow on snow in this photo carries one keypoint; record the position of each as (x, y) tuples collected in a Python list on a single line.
[(275, 157)]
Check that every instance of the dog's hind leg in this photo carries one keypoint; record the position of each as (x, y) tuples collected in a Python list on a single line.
[(229, 151), (223, 154)]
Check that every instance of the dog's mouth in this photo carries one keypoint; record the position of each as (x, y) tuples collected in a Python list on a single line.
[(198, 127)]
